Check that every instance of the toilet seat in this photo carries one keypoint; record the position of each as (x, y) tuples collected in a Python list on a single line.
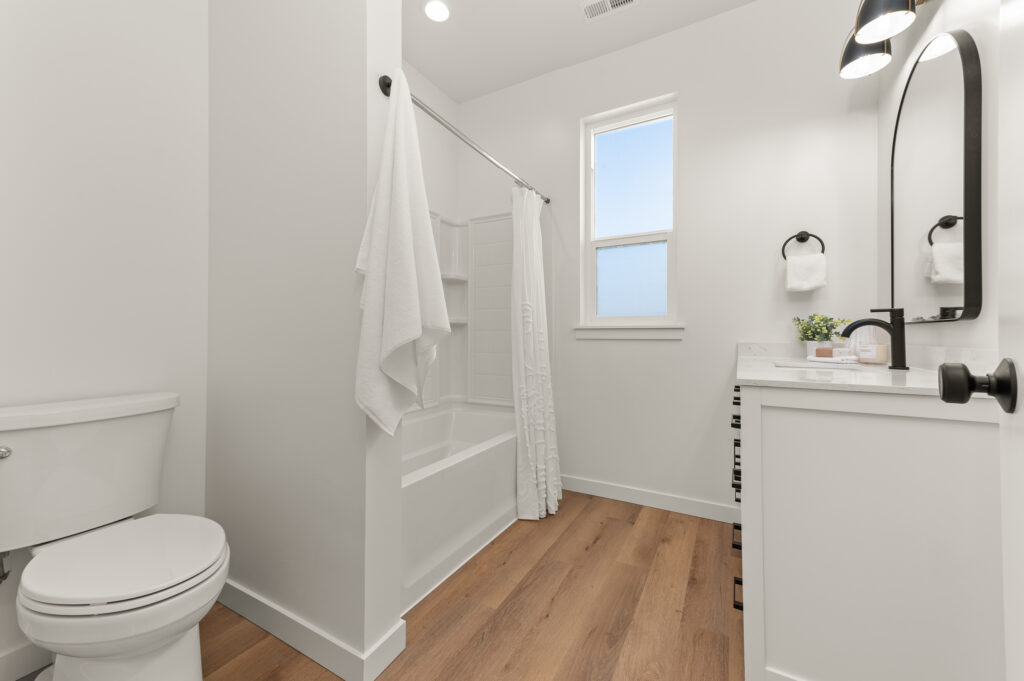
[(122, 606), (123, 567)]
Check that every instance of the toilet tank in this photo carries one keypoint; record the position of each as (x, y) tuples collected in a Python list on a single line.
[(68, 467)]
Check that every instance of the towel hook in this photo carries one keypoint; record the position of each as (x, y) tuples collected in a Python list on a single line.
[(946, 222), (802, 238)]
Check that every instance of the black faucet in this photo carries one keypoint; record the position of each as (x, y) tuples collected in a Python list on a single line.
[(897, 334)]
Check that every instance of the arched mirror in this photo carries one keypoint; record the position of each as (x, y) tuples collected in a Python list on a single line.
[(936, 185)]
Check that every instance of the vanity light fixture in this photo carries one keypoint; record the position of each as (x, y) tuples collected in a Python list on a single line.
[(860, 60), (436, 11), (879, 20)]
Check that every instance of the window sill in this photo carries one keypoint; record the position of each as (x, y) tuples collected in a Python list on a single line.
[(672, 332)]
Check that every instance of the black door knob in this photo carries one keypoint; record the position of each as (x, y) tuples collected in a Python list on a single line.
[(957, 384)]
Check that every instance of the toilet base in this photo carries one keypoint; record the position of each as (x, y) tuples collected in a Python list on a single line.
[(179, 660)]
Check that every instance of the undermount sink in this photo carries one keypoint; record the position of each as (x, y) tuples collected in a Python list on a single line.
[(820, 366)]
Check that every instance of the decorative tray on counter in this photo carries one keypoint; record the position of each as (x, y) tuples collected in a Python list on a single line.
[(832, 360)]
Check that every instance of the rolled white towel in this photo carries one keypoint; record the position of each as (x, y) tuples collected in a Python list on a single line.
[(947, 263), (806, 272)]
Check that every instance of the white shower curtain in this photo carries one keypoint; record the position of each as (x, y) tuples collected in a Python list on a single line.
[(538, 479)]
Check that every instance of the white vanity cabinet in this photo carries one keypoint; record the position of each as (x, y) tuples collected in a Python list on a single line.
[(871, 532)]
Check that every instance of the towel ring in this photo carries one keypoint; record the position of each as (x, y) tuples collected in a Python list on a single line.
[(801, 238), (946, 222)]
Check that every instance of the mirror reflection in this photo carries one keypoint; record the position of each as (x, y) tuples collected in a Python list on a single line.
[(928, 188)]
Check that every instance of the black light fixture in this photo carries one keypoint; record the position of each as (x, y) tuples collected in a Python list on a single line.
[(862, 60), (879, 20)]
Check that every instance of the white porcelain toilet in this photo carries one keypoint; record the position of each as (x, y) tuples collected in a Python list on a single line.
[(115, 598)]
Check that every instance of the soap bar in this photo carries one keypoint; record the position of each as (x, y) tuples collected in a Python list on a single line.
[(873, 354), (823, 352)]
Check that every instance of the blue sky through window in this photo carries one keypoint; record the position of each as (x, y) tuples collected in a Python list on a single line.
[(632, 281), (633, 186), (633, 179)]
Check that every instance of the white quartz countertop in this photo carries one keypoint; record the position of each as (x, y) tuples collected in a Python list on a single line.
[(785, 365), (797, 373)]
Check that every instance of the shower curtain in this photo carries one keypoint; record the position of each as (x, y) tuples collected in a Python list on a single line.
[(538, 478)]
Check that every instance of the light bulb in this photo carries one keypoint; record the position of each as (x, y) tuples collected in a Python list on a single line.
[(436, 11)]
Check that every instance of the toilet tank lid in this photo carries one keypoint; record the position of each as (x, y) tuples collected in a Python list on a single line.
[(81, 411)]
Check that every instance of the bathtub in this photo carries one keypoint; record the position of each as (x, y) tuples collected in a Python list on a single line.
[(458, 489)]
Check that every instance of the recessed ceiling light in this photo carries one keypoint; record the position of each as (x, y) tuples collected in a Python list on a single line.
[(436, 11)]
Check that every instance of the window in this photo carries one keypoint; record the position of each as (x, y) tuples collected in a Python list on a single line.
[(628, 255)]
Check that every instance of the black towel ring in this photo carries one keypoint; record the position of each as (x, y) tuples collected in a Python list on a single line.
[(801, 238), (946, 222)]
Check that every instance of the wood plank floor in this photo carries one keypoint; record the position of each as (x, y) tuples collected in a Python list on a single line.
[(603, 591)]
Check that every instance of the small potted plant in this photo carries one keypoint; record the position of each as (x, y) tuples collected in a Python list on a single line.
[(819, 331)]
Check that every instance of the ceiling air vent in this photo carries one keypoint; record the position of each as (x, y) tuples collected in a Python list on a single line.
[(594, 9)]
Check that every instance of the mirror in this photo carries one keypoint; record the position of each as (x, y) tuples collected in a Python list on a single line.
[(936, 185)]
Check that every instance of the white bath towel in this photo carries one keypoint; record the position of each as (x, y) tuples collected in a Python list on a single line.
[(806, 272), (404, 311), (947, 262)]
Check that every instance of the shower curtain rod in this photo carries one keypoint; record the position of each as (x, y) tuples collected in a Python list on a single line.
[(385, 87)]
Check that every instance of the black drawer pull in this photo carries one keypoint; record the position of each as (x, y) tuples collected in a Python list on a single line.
[(736, 401), (737, 582), (737, 460), (735, 442), (737, 474), (736, 485), (735, 422), (737, 543), (737, 495)]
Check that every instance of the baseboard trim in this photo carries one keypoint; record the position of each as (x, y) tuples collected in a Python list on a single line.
[(636, 495), (415, 593), (313, 642), (22, 660)]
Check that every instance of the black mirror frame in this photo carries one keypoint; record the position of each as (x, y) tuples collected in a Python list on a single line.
[(971, 62)]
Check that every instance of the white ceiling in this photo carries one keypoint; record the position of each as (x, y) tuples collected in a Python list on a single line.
[(487, 45)]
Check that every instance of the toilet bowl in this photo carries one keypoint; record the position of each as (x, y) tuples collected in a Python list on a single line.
[(115, 599), (123, 602)]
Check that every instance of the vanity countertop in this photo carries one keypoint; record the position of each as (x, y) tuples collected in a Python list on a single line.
[(785, 365), (797, 373)]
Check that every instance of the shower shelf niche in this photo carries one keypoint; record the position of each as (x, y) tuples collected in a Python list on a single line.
[(447, 378), (452, 243)]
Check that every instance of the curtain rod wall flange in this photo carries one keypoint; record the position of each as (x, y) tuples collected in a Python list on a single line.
[(385, 86)]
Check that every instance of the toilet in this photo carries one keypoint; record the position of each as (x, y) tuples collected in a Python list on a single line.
[(114, 596)]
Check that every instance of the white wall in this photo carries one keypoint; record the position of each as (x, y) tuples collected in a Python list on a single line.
[(103, 220), (981, 19), (772, 142), (308, 495)]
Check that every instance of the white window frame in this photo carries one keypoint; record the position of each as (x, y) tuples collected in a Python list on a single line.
[(591, 325)]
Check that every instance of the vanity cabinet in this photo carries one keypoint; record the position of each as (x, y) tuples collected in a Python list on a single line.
[(871, 535)]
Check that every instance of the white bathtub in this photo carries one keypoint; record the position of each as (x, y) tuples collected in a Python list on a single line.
[(458, 489)]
